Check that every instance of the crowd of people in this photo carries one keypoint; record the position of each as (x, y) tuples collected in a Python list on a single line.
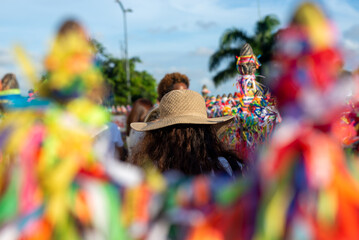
[(268, 162)]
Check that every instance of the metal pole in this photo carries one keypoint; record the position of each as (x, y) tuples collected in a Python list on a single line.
[(259, 11), (127, 61), (126, 50)]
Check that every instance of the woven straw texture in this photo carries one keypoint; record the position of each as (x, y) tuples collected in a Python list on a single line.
[(247, 68), (181, 107)]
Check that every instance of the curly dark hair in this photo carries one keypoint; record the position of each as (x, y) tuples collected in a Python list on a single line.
[(168, 81), (191, 149)]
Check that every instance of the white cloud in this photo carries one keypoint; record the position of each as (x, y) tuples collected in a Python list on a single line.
[(352, 33), (208, 82), (160, 30), (342, 13), (180, 27), (351, 54), (202, 51), (6, 58), (351, 45), (194, 7), (206, 25)]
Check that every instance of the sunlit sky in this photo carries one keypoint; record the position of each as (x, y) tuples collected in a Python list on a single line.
[(167, 35)]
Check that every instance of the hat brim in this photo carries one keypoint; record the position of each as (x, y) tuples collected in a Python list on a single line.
[(149, 117), (186, 119)]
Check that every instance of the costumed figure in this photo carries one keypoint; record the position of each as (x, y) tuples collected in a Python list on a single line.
[(309, 188), (51, 184), (255, 111), (346, 128), (302, 187)]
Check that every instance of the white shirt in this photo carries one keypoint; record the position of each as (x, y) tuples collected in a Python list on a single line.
[(133, 140), (106, 142)]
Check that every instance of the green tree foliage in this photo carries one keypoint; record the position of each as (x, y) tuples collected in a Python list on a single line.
[(143, 85), (233, 39)]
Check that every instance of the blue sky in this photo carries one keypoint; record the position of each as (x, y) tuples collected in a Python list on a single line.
[(168, 35)]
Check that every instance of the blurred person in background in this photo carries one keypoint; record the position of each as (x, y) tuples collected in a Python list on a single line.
[(205, 91), (9, 81), (171, 81), (303, 156), (108, 141), (110, 144), (51, 155), (10, 91), (139, 111)]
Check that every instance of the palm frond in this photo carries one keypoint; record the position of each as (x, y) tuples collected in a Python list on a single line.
[(226, 74), (233, 39), (267, 25), (233, 36), (221, 55), (135, 60)]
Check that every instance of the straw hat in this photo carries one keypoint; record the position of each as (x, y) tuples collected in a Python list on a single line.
[(153, 115), (181, 107)]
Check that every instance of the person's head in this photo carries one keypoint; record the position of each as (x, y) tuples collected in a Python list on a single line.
[(71, 26), (9, 81), (172, 81), (138, 113), (247, 62), (183, 138), (69, 63)]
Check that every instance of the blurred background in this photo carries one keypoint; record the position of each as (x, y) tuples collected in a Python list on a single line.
[(163, 36)]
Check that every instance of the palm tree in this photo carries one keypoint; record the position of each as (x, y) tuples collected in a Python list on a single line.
[(233, 39)]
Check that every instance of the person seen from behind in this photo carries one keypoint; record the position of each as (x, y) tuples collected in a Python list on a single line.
[(140, 109), (184, 139), (171, 81)]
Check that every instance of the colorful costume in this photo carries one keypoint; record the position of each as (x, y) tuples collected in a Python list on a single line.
[(303, 187), (49, 173), (253, 107)]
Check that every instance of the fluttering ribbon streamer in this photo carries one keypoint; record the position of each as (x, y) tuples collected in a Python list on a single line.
[(248, 59), (304, 186)]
